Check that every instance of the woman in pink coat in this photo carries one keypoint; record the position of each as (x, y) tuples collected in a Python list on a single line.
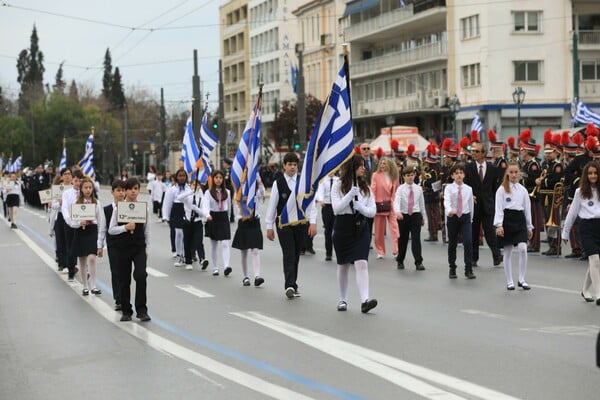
[(384, 183)]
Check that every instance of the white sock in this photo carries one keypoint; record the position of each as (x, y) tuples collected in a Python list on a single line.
[(342, 274), (214, 255), (594, 261), (522, 261), (226, 252), (508, 264), (179, 242), (83, 268), (245, 262), (255, 255), (362, 279), (91, 259)]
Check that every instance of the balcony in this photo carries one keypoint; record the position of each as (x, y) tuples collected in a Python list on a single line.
[(429, 100), (589, 90), (381, 22), (401, 59), (589, 40), (234, 28)]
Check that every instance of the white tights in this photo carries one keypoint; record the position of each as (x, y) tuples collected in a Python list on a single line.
[(254, 255), (362, 279), (12, 214), (179, 242), (591, 284), (84, 262), (522, 249), (224, 253)]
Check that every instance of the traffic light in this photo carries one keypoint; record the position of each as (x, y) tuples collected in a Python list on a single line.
[(215, 123), (296, 146)]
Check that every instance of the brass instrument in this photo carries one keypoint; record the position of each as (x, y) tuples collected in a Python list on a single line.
[(557, 199), (537, 187), (424, 175)]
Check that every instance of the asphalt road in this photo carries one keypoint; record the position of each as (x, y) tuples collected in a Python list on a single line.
[(212, 338)]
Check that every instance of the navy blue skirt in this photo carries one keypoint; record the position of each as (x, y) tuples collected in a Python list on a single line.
[(85, 241), (218, 228), (248, 235), (590, 235), (350, 240), (515, 228)]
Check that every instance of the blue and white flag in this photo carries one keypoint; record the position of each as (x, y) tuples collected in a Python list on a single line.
[(330, 145), (476, 125), (208, 142), (63, 160), (294, 73), (245, 164), (87, 161), (584, 115), (402, 4), (15, 166), (189, 148), (8, 165)]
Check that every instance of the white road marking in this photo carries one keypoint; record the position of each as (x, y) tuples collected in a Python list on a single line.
[(485, 314), (556, 289), (192, 290), (155, 273), (206, 378), (584, 330), (10, 244), (396, 371), (165, 345)]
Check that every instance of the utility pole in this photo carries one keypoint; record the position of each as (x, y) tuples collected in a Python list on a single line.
[(162, 148), (197, 94), (575, 67), (125, 139), (221, 134), (301, 102)]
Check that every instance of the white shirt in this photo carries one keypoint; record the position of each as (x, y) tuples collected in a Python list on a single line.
[(324, 189), (517, 199), (187, 198), (401, 199), (582, 208), (170, 198), (311, 211), (99, 220), (209, 204), (115, 229), (157, 188), (69, 197), (451, 196), (341, 202)]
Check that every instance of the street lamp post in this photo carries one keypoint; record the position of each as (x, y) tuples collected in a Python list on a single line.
[(454, 106), (518, 98)]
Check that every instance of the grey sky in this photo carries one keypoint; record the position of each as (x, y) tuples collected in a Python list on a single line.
[(151, 42)]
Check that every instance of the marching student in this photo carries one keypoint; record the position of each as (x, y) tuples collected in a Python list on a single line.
[(157, 189), (86, 239), (585, 205), (193, 231), (323, 197), (458, 206), (60, 234), (353, 203), (292, 236), (118, 193), (130, 244), (12, 196), (216, 205), (248, 239), (69, 197), (53, 215), (512, 220), (174, 213), (409, 205)]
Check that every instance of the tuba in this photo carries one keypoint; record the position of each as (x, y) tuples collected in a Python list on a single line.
[(557, 200)]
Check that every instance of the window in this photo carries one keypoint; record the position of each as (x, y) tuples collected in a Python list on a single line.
[(470, 75), (469, 27), (527, 21), (378, 90), (528, 71), (389, 89), (590, 70), (369, 91)]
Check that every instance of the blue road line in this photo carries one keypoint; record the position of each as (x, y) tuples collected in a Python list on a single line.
[(200, 341)]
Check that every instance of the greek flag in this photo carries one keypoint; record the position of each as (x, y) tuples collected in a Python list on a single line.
[(476, 125), (208, 141), (63, 160), (294, 73), (331, 144), (189, 148), (583, 115), (16, 166), (402, 4), (8, 165), (87, 161), (245, 164)]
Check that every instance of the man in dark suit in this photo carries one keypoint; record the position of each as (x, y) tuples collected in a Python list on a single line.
[(483, 178), (370, 165)]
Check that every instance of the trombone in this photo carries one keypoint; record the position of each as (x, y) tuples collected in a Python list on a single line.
[(553, 223), (537, 187)]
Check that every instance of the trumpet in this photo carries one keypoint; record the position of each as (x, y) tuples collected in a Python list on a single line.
[(537, 187)]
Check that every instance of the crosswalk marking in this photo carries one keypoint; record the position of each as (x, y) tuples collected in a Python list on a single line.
[(394, 370), (155, 273), (192, 290)]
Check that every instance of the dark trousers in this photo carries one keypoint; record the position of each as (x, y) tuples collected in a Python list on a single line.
[(192, 241), (71, 258), (537, 219), (157, 208), (433, 218), (114, 272), (292, 240), (410, 224), (172, 237), (481, 218), (61, 241), (135, 255), (328, 218), (462, 225)]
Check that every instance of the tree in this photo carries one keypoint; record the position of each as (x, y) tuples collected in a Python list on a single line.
[(73, 91), (3, 105), (107, 78), (117, 96), (30, 70), (59, 83), (284, 128)]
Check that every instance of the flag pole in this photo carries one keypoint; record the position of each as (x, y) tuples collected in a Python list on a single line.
[(347, 71)]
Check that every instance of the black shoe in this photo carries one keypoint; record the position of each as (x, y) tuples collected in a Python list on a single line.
[(588, 299), (524, 285), (96, 291), (13, 226), (289, 293), (573, 255), (342, 306), (227, 271), (327, 258), (452, 273), (368, 305), (497, 261), (552, 253), (143, 316), (598, 302), (532, 250), (420, 267), (583, 258), (311, 251), (258, 281), (302, 252), (246, 281), (85, 292), (400, 265), (117, 307), (430, 239), (204, 264), (510, 286), (470, 275), (125, 317)]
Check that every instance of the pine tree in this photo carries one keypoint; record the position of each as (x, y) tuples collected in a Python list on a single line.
[(117, 94), (59, 84), (3, 106), (30, 68), (73, 92), (107, 78)]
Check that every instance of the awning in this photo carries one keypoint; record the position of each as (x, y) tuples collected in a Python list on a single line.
[(357, 6)]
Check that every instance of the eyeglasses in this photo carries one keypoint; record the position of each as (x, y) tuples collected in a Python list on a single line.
[(476, 151), (366, 148)]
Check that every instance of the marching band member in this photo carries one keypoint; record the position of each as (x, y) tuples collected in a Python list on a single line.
[(555, 172), (531, 171), (431, 193)]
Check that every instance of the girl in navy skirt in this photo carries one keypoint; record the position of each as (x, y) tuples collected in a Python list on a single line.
[(216, 205), (12, 198), (586, 206), (86, 244), (352, 204), (249, 239), (174, 212), (513, 223)]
